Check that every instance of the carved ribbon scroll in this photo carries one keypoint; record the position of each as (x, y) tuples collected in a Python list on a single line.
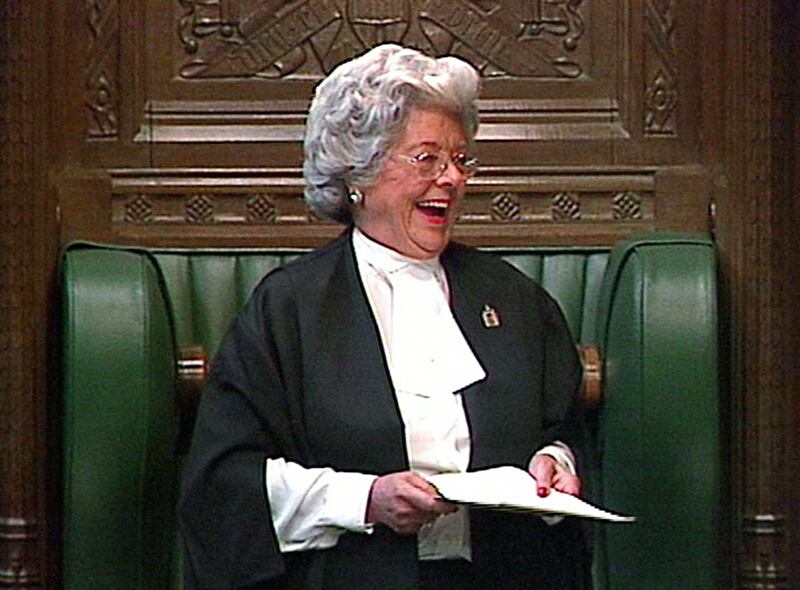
[(279, 39)]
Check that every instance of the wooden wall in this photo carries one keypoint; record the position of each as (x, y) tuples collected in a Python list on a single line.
[(182, 121), (178, 122), (757, 226)]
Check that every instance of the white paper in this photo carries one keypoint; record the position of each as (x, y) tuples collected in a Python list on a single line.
[(512, 488)]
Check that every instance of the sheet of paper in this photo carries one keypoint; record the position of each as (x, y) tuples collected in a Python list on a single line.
[(512, 488)]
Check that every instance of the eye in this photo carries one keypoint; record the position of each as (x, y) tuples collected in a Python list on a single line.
[(428, 163), (465, 162), (427, 158)]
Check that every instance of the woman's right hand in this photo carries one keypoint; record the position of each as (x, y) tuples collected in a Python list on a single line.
[(404, 502)]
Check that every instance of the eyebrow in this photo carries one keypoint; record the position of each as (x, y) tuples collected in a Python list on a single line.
[(437, 146)]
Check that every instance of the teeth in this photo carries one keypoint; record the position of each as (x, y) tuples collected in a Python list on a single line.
[(438, 204)]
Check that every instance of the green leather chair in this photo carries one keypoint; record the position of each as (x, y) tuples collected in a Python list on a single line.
[(648, 304)]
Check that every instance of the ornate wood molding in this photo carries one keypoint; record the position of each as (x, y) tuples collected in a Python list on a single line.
[(18, 570), (505, 205), (102, 71), (498, 194), (182, 121), (661, 69)]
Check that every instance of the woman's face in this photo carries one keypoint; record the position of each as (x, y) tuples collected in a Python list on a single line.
[(405, 211)]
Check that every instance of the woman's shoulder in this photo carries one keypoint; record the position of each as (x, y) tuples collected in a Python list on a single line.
[(306, 269), (489, 264), (491, 271)]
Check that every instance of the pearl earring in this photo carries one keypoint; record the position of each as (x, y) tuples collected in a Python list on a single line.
[(355, 196)]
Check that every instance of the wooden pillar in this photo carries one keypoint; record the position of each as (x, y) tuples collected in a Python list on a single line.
[(28, 241), (757, 240), (792, 287)]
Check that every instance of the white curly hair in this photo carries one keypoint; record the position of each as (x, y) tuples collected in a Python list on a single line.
[(361, 108)]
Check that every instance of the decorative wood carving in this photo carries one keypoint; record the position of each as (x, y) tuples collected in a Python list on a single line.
[(505, 207), (199, 209), (566, 206), (523, 205), (275, 39), (261, 208), (542, 206), (628, 205), (20, 569), (138, 209), (532, 47), (661, 69), (102, 72), (179, 208)]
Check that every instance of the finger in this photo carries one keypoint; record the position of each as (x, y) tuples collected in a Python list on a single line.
[(428, 498), (388, 503), (543, 470), (404, 502), (420, 483), (442, 506), (410, 519), (567, 482)]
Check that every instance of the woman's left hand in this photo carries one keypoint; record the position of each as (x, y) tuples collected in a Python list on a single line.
[(549, 474)]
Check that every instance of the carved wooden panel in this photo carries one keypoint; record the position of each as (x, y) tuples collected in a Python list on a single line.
[(661, 69), (259, 47), (102, 72), (240, 39), (194, 114), (505, 205)]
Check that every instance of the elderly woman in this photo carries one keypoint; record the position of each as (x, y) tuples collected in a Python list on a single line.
[(389, 355)]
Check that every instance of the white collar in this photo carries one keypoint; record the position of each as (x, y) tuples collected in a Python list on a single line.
[(428, 353), (387, 261)]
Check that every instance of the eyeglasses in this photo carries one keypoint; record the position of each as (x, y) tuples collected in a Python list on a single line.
[(431, 165)]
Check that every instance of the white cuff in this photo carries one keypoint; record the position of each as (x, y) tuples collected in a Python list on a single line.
[(312, 507), (346, 500), (562, 454)]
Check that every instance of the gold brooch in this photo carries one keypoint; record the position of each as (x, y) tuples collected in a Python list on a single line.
[(490, 317)]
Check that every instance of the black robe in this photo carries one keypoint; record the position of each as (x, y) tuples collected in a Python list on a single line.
[(302, 375)]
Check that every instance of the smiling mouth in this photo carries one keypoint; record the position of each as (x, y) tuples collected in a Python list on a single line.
[(434, 209)]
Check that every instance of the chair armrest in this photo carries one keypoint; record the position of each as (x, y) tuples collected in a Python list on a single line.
[(659, 430), (119, 421)]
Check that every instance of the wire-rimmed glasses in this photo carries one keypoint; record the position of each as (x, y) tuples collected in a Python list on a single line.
[(431, 165)]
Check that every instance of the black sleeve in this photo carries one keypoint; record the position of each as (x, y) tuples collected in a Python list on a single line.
[(243, 418), (562, 380)]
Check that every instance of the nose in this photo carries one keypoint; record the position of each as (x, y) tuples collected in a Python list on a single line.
[(451, 175)]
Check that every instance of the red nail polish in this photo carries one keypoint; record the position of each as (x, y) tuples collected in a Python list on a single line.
[(543, 492)]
